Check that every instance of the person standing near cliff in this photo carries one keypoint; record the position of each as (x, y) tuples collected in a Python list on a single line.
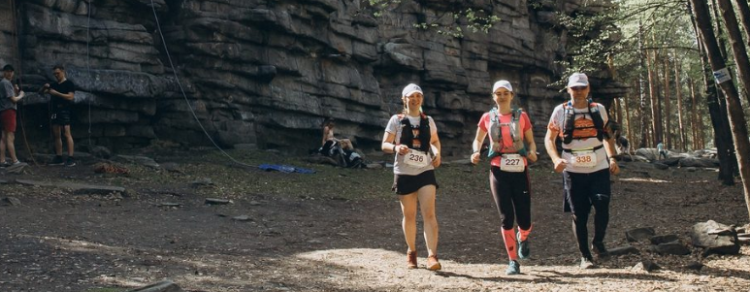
[(509, 173), (586, 163), (9, 96), (62, 95), (413, 137)]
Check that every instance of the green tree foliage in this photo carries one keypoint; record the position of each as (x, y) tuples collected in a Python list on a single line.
[(453, 23)]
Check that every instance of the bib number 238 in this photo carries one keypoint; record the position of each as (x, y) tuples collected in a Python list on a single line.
[(512, 163), (416, 159)]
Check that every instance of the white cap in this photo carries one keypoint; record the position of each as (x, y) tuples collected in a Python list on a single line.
[(578, 79), (502, 84), (411, 88)]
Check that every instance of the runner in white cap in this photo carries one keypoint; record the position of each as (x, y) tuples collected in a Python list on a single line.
[(509, 176), (586, 162), (413, 137)]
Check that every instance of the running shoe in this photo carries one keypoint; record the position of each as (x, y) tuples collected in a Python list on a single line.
[(58, 160), (4, 164), (599, 249), (523, 247), (411, 259), (433, 264), (586, 263), (514, 268), (70, 162)]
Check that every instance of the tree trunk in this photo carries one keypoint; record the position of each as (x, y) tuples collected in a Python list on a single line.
[(655, 120), (667, 104), (630, 126), (734, 107), (734, 104), (722, 99), (619, 110), (678, 94), (738, 48), (697, 124), (745, 18), (719, 121), (642, 91)]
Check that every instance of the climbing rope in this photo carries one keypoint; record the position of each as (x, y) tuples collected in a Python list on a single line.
[(179, 84), (17, 49)]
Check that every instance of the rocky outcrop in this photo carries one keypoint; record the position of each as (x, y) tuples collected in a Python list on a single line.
[(268, 72)]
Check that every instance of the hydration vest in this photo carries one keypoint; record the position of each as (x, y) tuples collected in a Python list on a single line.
[(569, 123), (407, 136), (496, 133)]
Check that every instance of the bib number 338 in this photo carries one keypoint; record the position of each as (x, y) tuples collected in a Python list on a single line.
[(416, 159), (584, 159)]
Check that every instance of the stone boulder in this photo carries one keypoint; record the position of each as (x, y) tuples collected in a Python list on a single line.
[(698, 162), (715, 238), (252, 73), (649, 153), (671, 161), (671, 248)]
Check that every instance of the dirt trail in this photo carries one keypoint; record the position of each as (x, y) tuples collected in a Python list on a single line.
[(342, 235)]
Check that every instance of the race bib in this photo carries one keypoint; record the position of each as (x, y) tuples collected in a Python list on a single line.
[(511, 163), (585, 158), (416, 159)]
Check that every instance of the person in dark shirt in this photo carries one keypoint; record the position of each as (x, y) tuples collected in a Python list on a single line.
[(62, 95)]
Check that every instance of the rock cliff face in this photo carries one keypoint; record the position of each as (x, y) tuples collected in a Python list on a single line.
[(268, 72)]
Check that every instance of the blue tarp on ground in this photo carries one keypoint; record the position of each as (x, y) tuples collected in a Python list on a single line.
[(285, 168)]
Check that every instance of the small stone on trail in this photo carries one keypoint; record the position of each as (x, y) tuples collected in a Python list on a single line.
[(639, 234), (11, 201), (170, 205), (646, 266), (693, 266), (242, 218), (664, 239), (164, 286), (100, 151), (374, 166), (254, 203), (673, 248), (214, 201), (622, 250), (16, 168), (661, 166), (203, 182), (171, 167), (743, 238)]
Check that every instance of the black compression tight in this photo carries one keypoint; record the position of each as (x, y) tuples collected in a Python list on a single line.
[(512, 197)]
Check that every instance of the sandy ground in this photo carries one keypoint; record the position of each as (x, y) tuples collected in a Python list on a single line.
[(339, 230)]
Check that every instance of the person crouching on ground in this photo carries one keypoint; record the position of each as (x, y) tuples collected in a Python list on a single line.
[(509, 175), (9, 96), (413, 137)]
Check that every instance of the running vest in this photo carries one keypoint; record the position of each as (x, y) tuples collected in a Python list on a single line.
[(407, 134), (569, 124), (496, 133)]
